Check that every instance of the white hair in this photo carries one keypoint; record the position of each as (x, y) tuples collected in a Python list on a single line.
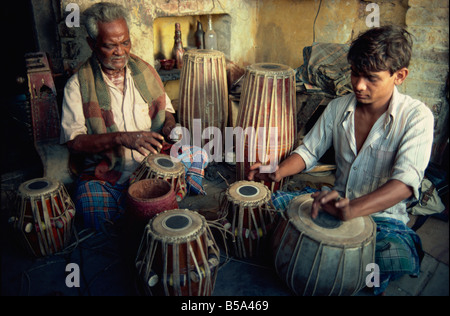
[(104, 12)]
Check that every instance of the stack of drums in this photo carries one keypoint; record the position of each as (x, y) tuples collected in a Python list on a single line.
[(43, 216), (203, 93), (249, 215), (178, 255), (161, 166), (268, 107), (322, 256)]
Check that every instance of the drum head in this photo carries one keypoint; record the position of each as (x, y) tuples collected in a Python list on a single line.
[(271, 69), (165, 164), (38, 187), (248, 191), (177, 226), (192, 53), (326, 228)]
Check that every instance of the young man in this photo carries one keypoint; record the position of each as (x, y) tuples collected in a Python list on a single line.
[(382, 140), (113, 113)]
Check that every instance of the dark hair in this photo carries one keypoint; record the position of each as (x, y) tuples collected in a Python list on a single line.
[(380, 49)]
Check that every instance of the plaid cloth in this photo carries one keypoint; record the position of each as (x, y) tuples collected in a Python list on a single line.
[(281, 199), (398, 251), (99, 201), (195, 160)]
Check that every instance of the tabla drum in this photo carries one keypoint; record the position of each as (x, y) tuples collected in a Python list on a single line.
[(203, 93), (43, 216), (178, 255), (267, 108), (322, 256), (148, 197), (162, 166), (249, 215)]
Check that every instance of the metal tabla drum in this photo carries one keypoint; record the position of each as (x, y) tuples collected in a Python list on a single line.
[(178, 255), (43, 216), (322, 256), (203, 93), (249, 215), (268, 107), (162, 166)]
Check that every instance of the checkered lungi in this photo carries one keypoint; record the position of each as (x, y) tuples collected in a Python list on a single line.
[(398, 248)]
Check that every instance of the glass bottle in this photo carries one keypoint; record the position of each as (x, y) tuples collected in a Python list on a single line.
[(178, 50), (199, 36), (210, 36)]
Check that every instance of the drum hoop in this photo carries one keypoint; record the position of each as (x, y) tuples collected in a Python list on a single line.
[(285, 71), (151, 162), (265, 198), (196, 54), (52, 187), (355, 241), (166, 238)]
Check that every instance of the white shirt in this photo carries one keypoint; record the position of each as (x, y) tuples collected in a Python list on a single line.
[(129, 109), (397, 147)]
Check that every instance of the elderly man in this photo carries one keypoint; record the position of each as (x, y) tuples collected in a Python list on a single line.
[(382, 140), (113, 114)]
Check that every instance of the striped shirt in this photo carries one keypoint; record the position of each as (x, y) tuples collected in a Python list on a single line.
[(397, 147)]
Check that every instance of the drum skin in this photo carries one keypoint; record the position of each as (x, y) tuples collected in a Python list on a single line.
[(178, 255), (313, 260), (148, 197), (250, 215), (203, 92), (268, 105), (43, 216)]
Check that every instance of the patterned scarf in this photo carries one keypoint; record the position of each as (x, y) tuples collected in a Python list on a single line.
[(96, 101)]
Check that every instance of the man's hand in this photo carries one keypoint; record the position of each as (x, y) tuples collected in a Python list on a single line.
[(332, 203), (142, 141), (256, 175)]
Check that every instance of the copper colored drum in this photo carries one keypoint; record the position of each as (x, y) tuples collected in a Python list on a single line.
[(43, 216), (322, 256), (161, 166), (148, 197), (249, 216), (178, 255), (203, 92), (267, 106)]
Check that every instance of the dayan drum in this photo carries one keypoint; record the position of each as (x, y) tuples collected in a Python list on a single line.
[(162, 166), (203, 92), (148, 197), (250, 216), (178, 255), (322, 256), (43, 216), (268, 108)]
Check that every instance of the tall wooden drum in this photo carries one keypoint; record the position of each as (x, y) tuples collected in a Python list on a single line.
[(203, 92), (43, 216), (178, 255), (322, 256), (268, 107)]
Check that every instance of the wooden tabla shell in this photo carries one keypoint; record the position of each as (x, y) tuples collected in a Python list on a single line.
[(249, 214), (43, 216), (178, 255), (162, 166), (148, 197), (203, 91), (267, 100), (327, 258)]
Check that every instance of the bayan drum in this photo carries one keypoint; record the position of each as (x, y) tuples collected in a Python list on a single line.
[(249, 213), (148, 197), (322, 256), (162, 166), (268, 108), (43, 216), (178, 255), (203, 92)]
